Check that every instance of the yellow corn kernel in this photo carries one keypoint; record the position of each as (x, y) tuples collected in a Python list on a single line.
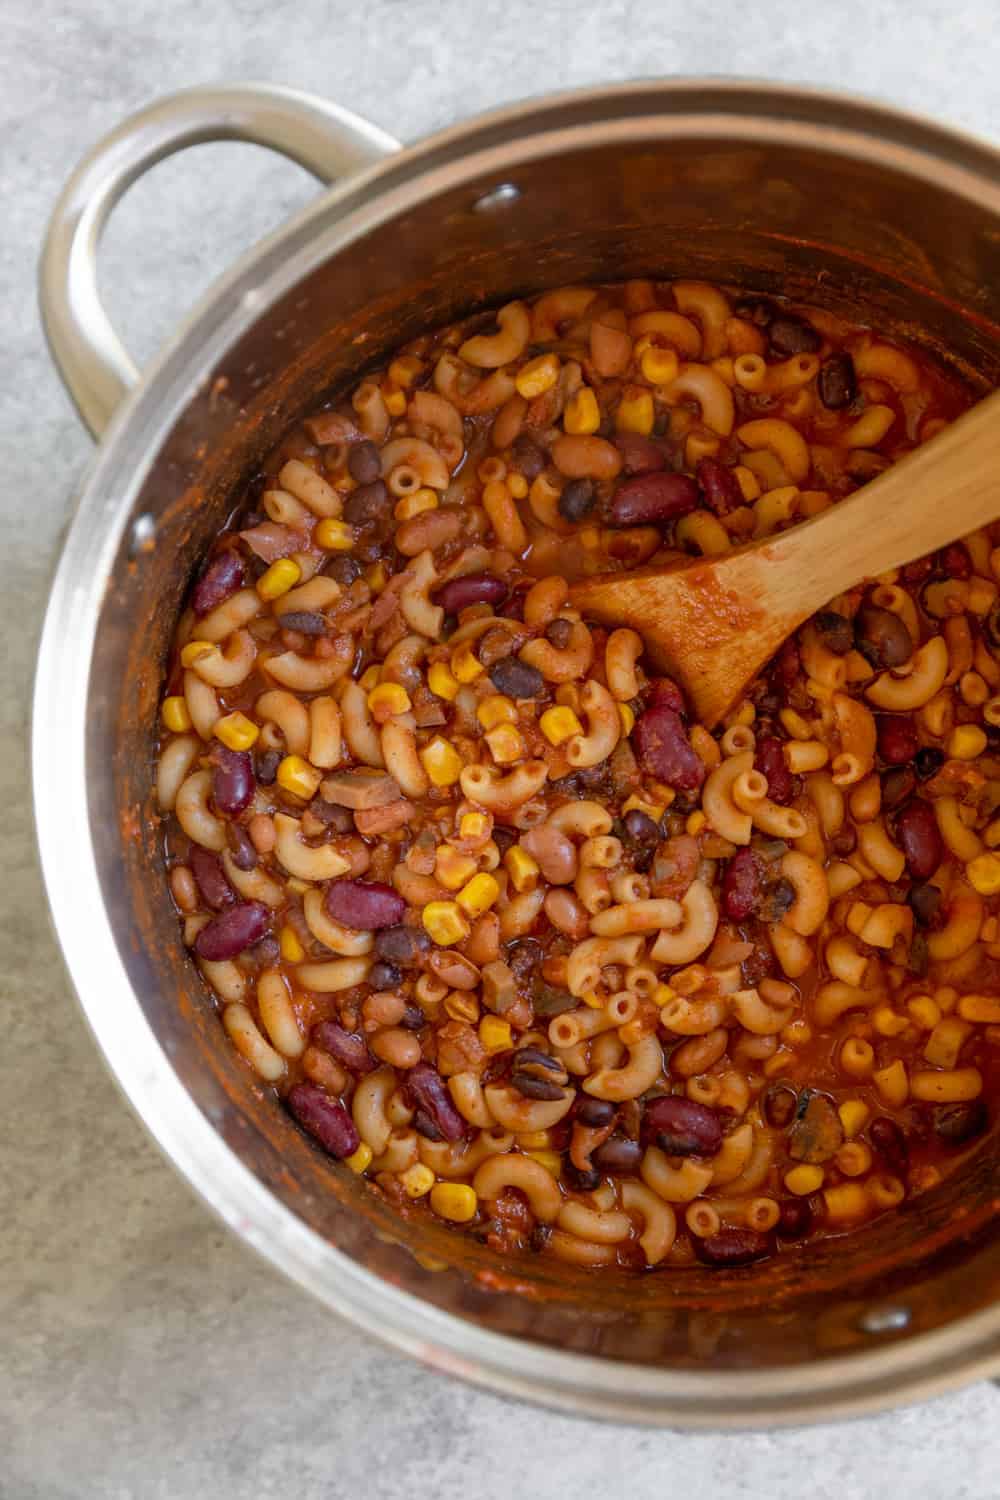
[(175, 714), (404, 370), (627, 716), (473, 825), (414, 505), (370, 678), (441, 683), (923, 1012), (452, 869), (663, 994), (635, 411), (279, 578), (522, 868), (537, 376), (804, 1180), (846, 1201), (505, 744), (395, 403), (517, 484), (359, 1161), (236, 731), (654, 810), (966, 741), (291, 949), (465, 664), (495, 710), (854, 1116), (479, 895), (455, 1201), (441, 761), (984, 874), (387, 700), (696, 822), (887, 1022), (550, 1160), (333, 535), (444, 922), (376, 577), (892, 1083), (582, 414), (194, 650), (558, 724), (659, 366), (495, 1034), (534, 1140), (297, 776), (417, 1180)]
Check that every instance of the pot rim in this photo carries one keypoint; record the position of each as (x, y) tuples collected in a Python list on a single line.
[(484, 146)]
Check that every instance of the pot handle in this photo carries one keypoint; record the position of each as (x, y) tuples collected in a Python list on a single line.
[(328, 141)]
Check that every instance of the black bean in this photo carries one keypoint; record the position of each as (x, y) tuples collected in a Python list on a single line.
[(958, 1123), (536, 1088), (504, 838), (524, 957), (756, 310), (777, 900), (403, 946), (780, 1103), (926, 903), (794, 1218), (529, 458), (558, 632), (595, 1112), (577, 499), (732, 1247), (837, 384), (241, 847), (425, 1126), (928, 761), (363, 462), (305, 621), (366, 504), (516, 679), (618, 1154), (897, 786), (413, 1018), (383, 976), (342, 569), (267, 764), (580, 1182), (835, 631), (881, 637), (639, 828), (889, 1141), (339, 819), (788, 334)]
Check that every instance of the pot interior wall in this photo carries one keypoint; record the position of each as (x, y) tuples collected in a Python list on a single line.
[(842, 233)]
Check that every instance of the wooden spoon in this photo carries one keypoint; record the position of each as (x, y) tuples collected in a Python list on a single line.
[(714, 622)]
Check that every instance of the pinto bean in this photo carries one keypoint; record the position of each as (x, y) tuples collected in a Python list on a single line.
[(325, 1118), (653, 497), (430, 529)]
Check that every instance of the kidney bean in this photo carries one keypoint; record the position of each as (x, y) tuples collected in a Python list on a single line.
[(890, 1143), (475, 588), (780, 1103), (232, 780), (956, 561), (236, 928), (835, 631), (305, 621), (788, 334), (207, 870), (640, 455), (770, 761), (732, 1247), (364, 906), (881, 637), (363, 462), (223, 576), (897, 785), (426, 1090), (681, 1127), (424, 1125), (837, 383), (719, 486), (516, 679), (325, 1118), (617, 1155), (577, 499), (348, 1047), (367, 504), (897, 738), (663, 693), (664, 750), (794, 1218), (958, 1123), (595, 1112), (267, 767), (404, 946), (926, 903), (920, 839), (241, 847), (741, 885), (653, 497)]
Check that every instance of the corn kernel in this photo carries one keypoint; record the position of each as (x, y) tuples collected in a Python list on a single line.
[(696, 822), (984, 874), (175, 714), (360, 1160), (558, 724), (441, 683), (395, 403), (848, 1200), (496, 710), (582, 414), (804, 1180), (495, 1034), (654, 810), (235, 731), (415, 504), (291, 949), (854, 1116), (444, 922), (417, 1180), (376, 577), (387, 700), (663, 994), (465, 664), (297, 776), (333, 535), (404, 370), (550, 1160), (279, 578), (455, 1201), (522, 868), (474, 825), (479, 895), (892, 1083), (627, 716), (537, 376), (635, 411), (505, 744), (452, 869), (441, 761), (370, 678), (659, 366), (194, 650), (518, 486), (966, 741)]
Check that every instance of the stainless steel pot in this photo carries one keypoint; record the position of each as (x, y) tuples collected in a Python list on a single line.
[(774, 188)]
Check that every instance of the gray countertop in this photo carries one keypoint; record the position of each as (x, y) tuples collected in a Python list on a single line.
[(145, 1353)]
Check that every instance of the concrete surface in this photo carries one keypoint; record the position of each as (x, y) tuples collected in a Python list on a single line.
[(144, 1353)]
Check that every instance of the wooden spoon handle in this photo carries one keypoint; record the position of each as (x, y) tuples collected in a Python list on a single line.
[(943, 490)]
